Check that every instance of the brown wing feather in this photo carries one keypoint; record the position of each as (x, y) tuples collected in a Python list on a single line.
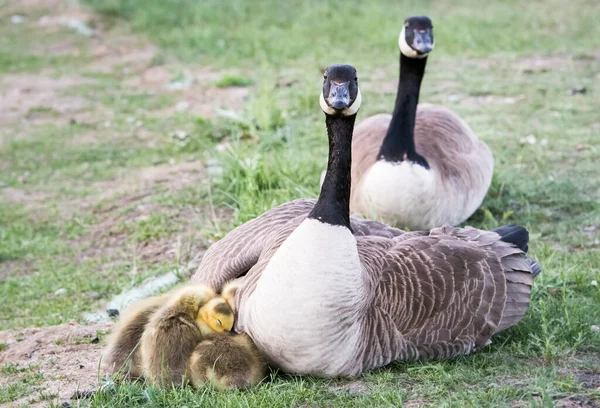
[(441, 295)]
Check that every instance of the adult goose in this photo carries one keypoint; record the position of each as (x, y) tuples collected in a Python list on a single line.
[(326, 294), (421, 167)]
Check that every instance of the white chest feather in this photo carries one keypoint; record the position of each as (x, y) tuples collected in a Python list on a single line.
[(407, 195), (397, 193), (311, 286)]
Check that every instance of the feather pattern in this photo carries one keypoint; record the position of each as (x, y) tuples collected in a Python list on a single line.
[(435, 294)]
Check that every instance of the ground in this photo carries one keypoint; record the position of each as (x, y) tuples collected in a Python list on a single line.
[(135, 133)]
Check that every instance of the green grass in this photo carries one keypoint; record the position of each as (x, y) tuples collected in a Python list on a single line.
[(91, 226), (24, 386), (233, 80), (239, 32)]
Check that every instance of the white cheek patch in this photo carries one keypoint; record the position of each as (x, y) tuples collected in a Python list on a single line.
[(351, 110), (326, 108), (407, 49)]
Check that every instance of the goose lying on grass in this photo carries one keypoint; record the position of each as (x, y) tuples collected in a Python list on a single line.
[(421, 167), (326, 294)]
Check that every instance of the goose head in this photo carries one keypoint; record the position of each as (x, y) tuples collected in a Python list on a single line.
[(416, 37), (340, 95)]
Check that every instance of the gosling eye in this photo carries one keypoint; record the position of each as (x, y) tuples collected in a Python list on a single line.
[(219, 322)]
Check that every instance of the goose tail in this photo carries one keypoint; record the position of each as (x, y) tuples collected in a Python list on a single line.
[(520, 271), (514, 234)]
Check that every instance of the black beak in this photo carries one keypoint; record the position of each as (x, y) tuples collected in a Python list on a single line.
[(422, 41), (339, 96)]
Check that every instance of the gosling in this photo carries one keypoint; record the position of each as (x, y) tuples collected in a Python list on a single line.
[(176, 328), (122, 354), (226, 361)]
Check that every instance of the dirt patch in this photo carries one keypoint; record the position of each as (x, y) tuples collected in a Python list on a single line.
[(125, 57), (61, 13), (194, 88), (357, 387), (142, 65), (590, 379), (174, 176), (127, 205), (575, 401), (24, 6), (12, 269), (21, 196), (106, 241), (23, 95), (66, 355)]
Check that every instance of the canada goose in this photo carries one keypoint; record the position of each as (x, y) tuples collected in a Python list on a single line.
[(122, 353), (175, 329), (422, 167), (327, 294), (227, 361)]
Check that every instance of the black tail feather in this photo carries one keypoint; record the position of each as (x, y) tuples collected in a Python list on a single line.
[(514, 234)]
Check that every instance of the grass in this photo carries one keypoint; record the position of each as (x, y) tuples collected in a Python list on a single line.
[(233, 80), (25, 384), (239, 33), (83, 214)]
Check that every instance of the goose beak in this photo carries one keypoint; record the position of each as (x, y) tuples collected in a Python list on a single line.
[(339, 95), (423, 41)]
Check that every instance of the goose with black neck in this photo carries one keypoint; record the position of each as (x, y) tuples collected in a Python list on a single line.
[(323, 293), (422, 166)]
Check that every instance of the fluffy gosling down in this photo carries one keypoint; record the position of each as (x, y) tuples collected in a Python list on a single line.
[(122, 354), (176, 328), (226, 361), (155, 336)]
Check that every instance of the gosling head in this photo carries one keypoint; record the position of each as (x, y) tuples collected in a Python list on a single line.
[(416, 37), (192, 297), (215, 317), (340, 95)]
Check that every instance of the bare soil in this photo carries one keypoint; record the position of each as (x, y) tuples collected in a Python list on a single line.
[(67, 356), (22, 93)]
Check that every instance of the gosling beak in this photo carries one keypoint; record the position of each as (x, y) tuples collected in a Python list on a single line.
[(339, 96), (423, 41)]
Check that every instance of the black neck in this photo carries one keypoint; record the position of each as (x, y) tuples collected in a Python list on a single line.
[(399, 142), (333, 205)]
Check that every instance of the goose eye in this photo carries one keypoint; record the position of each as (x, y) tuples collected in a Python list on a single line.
[(355, 79), (219, 322)]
